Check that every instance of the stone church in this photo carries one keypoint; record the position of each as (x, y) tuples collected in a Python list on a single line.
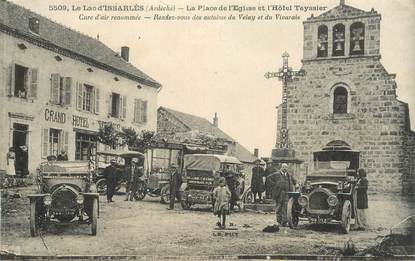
[(346, 95)]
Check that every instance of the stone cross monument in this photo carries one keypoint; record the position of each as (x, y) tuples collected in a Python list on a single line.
[(284, 74)]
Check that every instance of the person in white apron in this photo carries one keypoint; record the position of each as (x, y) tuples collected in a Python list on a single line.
[(11, 157)]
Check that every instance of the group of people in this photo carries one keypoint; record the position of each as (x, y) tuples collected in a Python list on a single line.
[(278, 183), (131, 173), (17, 161)]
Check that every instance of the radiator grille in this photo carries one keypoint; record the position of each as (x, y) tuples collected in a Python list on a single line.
[(64, 199), (318, 200)]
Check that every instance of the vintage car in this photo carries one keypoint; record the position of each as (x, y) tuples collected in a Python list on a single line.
[(201, 173), (66, 192), (159, 159), (102, 160), (328, 193)]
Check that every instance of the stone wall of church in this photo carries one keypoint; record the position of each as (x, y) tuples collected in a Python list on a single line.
[(376, 122)]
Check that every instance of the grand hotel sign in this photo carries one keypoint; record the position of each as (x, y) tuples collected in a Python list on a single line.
[(55, 116)]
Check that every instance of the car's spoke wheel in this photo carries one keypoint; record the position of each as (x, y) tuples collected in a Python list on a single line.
[(102, 186), (141, 191), (248, 197), (34, 218), (292, 214), (165, 194), (346, 216), (94, 216), (184, 202)]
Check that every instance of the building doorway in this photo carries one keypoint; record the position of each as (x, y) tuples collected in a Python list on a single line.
[(20, 148)]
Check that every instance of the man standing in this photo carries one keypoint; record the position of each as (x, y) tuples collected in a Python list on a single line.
[(257, 181), (110, 174), (268, 172), (282, 182), (174, 185), (133, 172)]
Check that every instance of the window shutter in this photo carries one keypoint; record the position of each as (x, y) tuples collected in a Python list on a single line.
[(110, 105), (10, 82), (64, 141), (96, 100), (140, 111), (79, 96), (26, 82), (54, 89), (144, 111), (135, 120), (124, 107), (33, 83), (67, 81), (45, 142)]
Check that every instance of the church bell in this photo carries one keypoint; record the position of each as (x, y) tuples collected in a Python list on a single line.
[(356, 47)]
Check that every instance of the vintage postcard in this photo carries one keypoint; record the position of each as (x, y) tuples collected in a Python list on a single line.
[(268, 129)]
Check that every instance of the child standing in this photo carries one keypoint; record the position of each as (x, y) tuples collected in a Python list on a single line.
[(221, 196)]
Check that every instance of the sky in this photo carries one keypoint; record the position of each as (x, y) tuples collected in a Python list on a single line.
[(219, 66)]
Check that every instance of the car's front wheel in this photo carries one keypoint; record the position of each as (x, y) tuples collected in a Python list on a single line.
[(165, 194), (94, 216), (101, 186), (346, 216), (34, 218), (141, 192)]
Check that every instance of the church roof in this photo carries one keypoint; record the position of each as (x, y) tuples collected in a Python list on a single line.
[(342, 11), (14, 20)]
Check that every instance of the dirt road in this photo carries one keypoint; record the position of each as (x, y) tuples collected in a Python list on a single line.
[(148, 228)]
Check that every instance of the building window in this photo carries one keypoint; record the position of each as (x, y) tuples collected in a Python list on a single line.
[(340, 98), (34, 25), (140, 111), (20, 84), (61, 90), (338, 40), (357, 38), (322, 48), (87, 98), (54, 141), (23, 82), (115, 105), (87, 95), (84, 144)]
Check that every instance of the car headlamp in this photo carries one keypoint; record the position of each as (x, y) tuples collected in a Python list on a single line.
[(303, 201), (47, 200), (332, 200), (80, 199), (340, 185)]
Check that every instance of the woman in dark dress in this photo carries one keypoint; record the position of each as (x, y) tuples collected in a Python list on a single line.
[(362, 201)]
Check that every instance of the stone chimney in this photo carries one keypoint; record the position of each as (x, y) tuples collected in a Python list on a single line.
[(256, 152), (125, 53), (342, 2), (216, 120)]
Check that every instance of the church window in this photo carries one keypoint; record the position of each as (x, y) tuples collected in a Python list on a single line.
[(340, 100), (357, 38), (338, 40), (322, 45)]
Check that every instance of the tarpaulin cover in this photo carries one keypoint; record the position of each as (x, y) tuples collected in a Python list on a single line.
[(207, 161), (65, 166)]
